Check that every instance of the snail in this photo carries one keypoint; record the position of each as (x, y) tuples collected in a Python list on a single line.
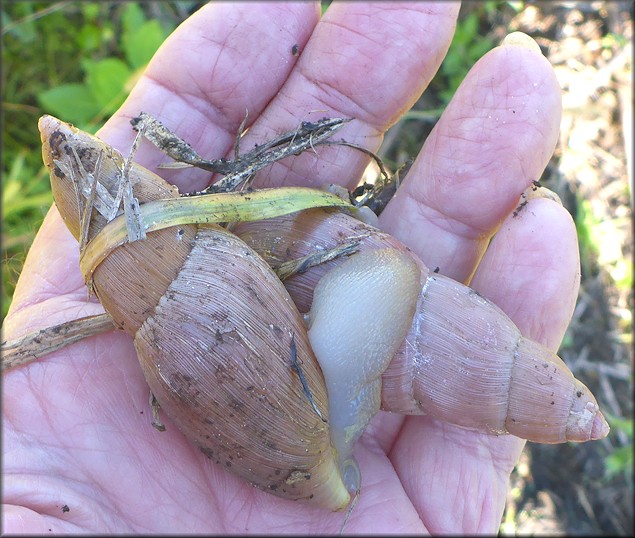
[(279, 398), (494, 380)]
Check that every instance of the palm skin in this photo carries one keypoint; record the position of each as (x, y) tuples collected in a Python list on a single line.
[(76, 424)]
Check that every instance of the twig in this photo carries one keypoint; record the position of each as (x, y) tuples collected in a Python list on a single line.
[(156, 419), (308, 135), (368, 152), (383, 192), (239, 134), (349, 510), (305, 386), (39, 343), (10, 25), (174, 146), (87, 210), (130, 203), (240, 170), (299, 265)]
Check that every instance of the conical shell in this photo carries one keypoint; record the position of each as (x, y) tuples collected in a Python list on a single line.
[(130, 282), (463, 360)]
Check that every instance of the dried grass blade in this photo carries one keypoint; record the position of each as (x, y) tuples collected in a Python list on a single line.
[(213, 208)]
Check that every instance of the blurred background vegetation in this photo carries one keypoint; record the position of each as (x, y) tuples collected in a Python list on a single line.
[(79, 60)]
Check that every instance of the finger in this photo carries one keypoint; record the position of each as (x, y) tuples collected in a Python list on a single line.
[(533, 267), (228, 58), (531, 272), (495, 137), (367, 61)]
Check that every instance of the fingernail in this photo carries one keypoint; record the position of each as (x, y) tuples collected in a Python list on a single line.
[(519, 39)]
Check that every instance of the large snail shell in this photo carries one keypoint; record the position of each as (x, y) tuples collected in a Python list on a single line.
[(230, 323), (213, 327), (463, 360)]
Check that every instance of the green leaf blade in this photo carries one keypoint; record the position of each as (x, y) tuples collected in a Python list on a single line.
[(74, 102)]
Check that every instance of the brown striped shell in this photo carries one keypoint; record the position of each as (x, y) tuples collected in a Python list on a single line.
[(212, 325)]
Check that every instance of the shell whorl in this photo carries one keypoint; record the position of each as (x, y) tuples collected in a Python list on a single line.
[(231, 323)]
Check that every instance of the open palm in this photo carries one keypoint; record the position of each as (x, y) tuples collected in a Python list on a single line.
[(79, 451)]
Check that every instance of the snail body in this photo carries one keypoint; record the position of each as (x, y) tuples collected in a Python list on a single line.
[(226, 352)]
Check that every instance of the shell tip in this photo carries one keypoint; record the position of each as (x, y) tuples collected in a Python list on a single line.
[(600, 427), (45, 122), (47, 125)]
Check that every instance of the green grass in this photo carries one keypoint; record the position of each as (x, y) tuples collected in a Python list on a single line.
[(620, 461)]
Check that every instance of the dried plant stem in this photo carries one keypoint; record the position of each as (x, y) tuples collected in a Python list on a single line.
[(300, 265), (220, 207), (377, 196), (306, 136), (240, 172), (243, 168), (305, 386), (156, 419), (39, 343), (371, 154), (349, 510)]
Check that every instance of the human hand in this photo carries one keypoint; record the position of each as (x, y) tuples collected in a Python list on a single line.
[(73, 430)]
